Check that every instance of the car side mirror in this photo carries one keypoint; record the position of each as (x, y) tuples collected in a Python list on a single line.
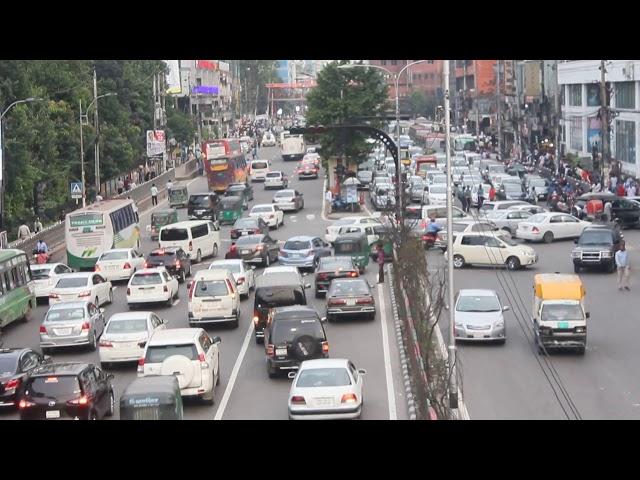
[(190, 285), (102, 310), (323, 319), (216, 340), (506, 308), (587, 314), (307, 285), (575, 241), (362, 371), (253, 267), (291, 375)]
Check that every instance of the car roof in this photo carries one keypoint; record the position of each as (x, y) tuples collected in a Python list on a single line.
[(152, 384), (45, 266), (185, 224), (215, 274), (286, 190), (117, 250), (149, 270), (339, 259), (172, 336), (130, 316), (297, 309), (324, 363), (263, 205), (166, 250), (300, 238), (78, 274), (477, 292), (13, 352), (228, 261), (256, 237), (280, 269), (62, 368), (74, 304), (280, 279)]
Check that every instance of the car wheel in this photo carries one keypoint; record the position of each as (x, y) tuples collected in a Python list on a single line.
[(208, 399), (112, 405), (458, 261), (236, 322), (581, 350), (318, 294), (215, 249), (94, 342), (576, 268), (547, 237), (45, 351), (259, 340), (169, 302), (612, 268), (267, 261), (513, 263), (93, 416), (272, 372), (110, 297), (198, 256), (104, 365)]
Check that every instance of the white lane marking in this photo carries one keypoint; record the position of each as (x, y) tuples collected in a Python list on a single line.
[(146, 212), (175, 303), (234, 373), (311, 217), (391, 393), (324, 191)]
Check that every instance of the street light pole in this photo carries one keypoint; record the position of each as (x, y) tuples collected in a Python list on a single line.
[(95, 125), (84, 190)]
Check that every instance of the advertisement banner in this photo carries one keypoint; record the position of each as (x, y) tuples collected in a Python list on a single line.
[(174, 86), (156, 143), (593, 132)]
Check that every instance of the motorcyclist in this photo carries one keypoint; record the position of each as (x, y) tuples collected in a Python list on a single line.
[(41, 247)]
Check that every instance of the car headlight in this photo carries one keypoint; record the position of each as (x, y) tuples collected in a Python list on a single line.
[(459, 325), (607, 254), (576, 253), (580, 329)]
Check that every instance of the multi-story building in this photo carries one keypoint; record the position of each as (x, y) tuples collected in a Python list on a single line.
[(424, 77), (579, 82)]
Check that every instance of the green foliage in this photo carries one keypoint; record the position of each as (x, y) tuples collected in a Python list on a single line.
[(254, 74), (180, 126), (346, 96)]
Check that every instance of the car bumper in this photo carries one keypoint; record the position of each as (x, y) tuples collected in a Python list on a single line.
[(273, 184), (258, 178), (296, 262), (326, 414), (8, 398), (526, 235), (308, 175), (212, 318), (252, 258), (355, 310), (148, 299), (203, 216), (480, 335), (113, 355), (563, 340), (527, 260), (119, 274), (323, 286), (593, 262), (287, 207), (51, 342)]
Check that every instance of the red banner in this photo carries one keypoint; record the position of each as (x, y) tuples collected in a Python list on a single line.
[(206, 65)]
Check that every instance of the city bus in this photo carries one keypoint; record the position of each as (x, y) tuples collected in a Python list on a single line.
[(224, 163), (104, 225), (464, 143), (17, 290)]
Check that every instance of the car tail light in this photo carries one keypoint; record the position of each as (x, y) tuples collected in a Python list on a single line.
[(298, 400), (259, 248), (85, 294), (283, 254), (191, 289), (234, 231), (353, 274), (256, 318), (365, 301), (256, 231), (203, 361), (25, 404), (230, 285), (104, 343), (271, 350), (337, 301), (146, 265), (86, 326), (54, 295), (240, 281), (165, 289), (141, 365), (96, 268), (190, 246), (128, 291), (78, 401), (127, 266), (178, 264), (349, 398), (535, 229), (11, 384), (322, 276), (325, 347), (43, 329)]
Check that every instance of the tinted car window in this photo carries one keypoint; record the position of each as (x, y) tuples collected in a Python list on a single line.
[(63, 314), (323, 377), (199, 231), (127, 326), (271, 297), (246, 222), (199, 200), (297, 245), (349, 288), (158, 353), (114, 256), (285, 331), (211, 288), (71, 283), (146, 279), (53, 386), (174, 234)]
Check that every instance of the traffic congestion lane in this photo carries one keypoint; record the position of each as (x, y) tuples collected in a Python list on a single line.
[(506, 382)]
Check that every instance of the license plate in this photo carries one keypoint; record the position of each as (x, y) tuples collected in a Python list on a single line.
[(324, 401), (563, 324), (113, 267), (281, 351), (246, 252), (244, 233), (351, 302), (127, 344), (63, 331), (53, 414)]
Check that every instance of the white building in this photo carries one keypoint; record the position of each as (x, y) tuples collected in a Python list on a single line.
[(580, 86)]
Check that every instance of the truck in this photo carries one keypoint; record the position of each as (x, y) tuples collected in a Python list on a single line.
[(559, 317), (292, 147)]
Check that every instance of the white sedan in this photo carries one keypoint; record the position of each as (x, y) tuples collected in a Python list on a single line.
[(152, 285), (242, 273), (46, 275), (325, 389), (89, 286), (547, 227), (271, 214), (119, 263), (275, 179), (126, 335), (332, 230)]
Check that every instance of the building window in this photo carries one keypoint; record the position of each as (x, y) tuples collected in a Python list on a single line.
[(575, 95), (625, 94), (626, 141), (383, 62), (576, 133), (593, 95)]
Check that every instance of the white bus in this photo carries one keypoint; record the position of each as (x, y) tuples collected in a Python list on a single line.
[(91, 230)]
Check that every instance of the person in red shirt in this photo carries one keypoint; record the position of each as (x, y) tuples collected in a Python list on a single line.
[(620, 190), (492, 193)]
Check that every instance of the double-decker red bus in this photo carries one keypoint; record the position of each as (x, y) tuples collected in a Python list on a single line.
[(224, 163)]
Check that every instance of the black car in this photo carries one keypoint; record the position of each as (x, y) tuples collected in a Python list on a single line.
[(259, 248), (203, 206), (596, 247), (333, 267), (293, 334), (79, 391), (249, 226), (15, 366), (174, 259), (625, 210)]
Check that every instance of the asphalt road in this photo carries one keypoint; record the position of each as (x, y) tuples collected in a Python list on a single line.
[(506, 381), (245, 391)]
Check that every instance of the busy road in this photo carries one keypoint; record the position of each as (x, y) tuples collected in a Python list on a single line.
[(245, 391)]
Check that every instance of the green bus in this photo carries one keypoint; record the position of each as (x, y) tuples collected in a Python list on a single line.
[(17, 290)]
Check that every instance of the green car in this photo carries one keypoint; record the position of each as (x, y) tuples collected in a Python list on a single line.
[(159, 219), (230, 209), (354, 245), (178, 195), (240, 190)]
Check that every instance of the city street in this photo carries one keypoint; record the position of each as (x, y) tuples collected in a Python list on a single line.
[(245, 391)]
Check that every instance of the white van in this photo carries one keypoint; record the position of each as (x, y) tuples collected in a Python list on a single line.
[(199, 238), (258, 170), (213, 298)]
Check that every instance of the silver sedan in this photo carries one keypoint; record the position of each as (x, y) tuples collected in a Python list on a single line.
[(69, 324), (479, 316), (508, 220)]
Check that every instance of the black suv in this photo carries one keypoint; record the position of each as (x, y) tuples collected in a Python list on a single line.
[(15, 366), (333, 267), (174, 259), (79, 391), (293, 335), (596, 247), (203, 206)]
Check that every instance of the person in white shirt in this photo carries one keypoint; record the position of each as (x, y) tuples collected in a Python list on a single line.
[(631, 191), (328, 198), (169, 185), (624, 271), (154, 194)]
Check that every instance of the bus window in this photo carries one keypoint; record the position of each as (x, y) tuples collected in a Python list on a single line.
[(9, 280)]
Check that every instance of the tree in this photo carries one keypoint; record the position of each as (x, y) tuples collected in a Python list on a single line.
[(346, 96), (180, 126), (254, 74), (418, 103)]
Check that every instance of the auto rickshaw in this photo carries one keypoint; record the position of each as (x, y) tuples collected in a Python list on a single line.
[(178, 195), (354, 245), (384, 236), (159, 219), (243, 195), (152, 398), (230, 209)]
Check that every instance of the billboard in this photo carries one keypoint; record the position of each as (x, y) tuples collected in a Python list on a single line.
[(156, 143), (593, 133), (174, 86)]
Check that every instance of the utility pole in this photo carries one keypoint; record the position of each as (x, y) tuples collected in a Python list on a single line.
[(453, 377), (84, 187), (96, 148), (499, 108), (477, 85), (558, 116), (464, 95), (604, 118)]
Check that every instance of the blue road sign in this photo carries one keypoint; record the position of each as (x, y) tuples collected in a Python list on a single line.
[(76, 189)]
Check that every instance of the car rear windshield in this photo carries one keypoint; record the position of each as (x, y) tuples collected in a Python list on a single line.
[(323, 377), (262, 209), (273, 174), (413, 213), (438, 189), (64, 314), (211, 288), (174, 234), (245, 222), (286, 331), (594, 237), (72, 282), (297, 245), (249, 240), (199, 200), (146, 279), (133, 325), (259, 165), (8, 365), (53, 386), (349, 289), (163, 253), (160, 217), (114, 256), (334, 263), (40, 273), (272, 297), (346, 247), (283, 194), (480, 303), (232, 267), (159, 353)]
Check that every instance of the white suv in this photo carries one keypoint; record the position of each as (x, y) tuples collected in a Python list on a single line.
[(213, 298), (152, 285), (275, 179), (190, 355)]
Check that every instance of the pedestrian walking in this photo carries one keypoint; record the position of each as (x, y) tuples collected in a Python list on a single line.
[(328, 200), (37, 225), (140, 174), (467, 199), (154, 194), (624, 269), (631, 191), (380, 260), (480, 196), (607, 212), (492, 193), (23, 232), (98, 197), (120, 186), (169, 185)]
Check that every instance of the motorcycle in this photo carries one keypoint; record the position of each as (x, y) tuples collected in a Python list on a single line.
[(429, 239), (39, 257)]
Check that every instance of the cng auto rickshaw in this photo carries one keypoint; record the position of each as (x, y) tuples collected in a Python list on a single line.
[(178, 195), (159, 219), (152, 398), (230, 209), (354, 245)]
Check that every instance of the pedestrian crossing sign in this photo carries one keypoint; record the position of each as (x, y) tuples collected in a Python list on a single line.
[(76, 189)]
